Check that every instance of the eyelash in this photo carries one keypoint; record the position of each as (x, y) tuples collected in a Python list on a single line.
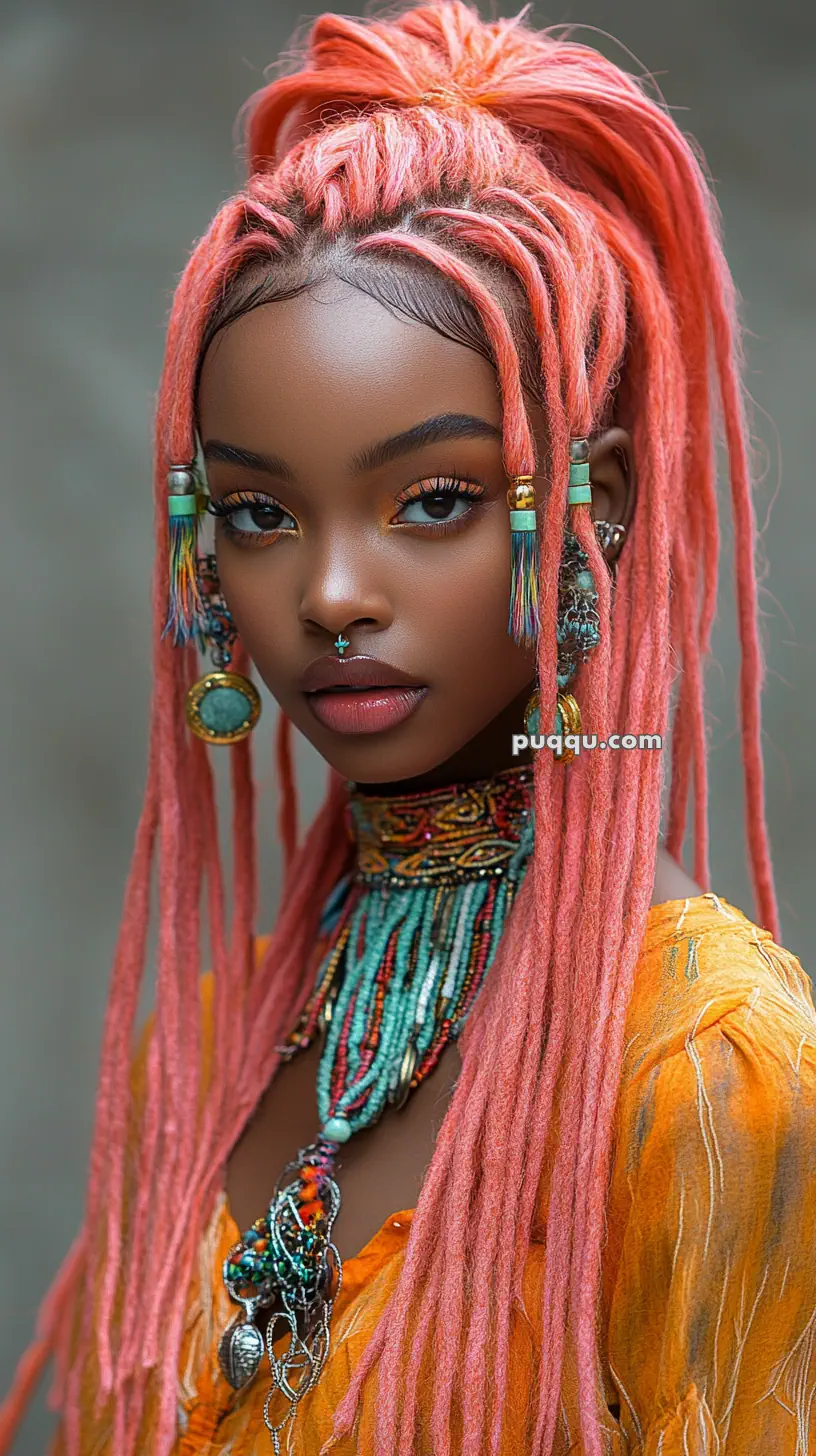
[(238, 500), (457, 486)]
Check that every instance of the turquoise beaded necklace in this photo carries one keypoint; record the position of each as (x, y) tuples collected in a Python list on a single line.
[(406, 940)]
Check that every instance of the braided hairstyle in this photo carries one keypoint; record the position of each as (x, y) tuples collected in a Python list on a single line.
[(521, 193)]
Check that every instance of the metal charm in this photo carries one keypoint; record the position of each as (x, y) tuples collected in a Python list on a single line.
[(240, 1352)]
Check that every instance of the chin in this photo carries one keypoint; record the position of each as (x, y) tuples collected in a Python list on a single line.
[(388, 757), (376, 763)]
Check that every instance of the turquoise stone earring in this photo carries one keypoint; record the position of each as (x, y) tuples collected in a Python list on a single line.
[(222, 707)]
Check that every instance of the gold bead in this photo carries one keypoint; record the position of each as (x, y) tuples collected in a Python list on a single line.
[(521, 496)]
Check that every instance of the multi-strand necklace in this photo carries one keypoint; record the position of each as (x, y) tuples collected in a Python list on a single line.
[(406, 940)]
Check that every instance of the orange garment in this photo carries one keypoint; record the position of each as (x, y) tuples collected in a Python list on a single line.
[(708, 1319)]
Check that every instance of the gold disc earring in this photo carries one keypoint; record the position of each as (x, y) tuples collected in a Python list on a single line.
[(222, 707)]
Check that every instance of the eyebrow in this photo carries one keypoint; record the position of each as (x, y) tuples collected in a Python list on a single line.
[(432, 431), (250, 459), (429, 432)]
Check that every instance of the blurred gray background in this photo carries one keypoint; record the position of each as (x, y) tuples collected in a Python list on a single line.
[(116, 148)]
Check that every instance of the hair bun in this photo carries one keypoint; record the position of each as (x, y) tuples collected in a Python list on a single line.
[(441, 55)]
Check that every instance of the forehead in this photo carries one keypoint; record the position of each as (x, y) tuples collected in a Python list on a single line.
[(331, 371)]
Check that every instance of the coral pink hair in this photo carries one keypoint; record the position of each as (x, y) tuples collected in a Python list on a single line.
[(486, 145)]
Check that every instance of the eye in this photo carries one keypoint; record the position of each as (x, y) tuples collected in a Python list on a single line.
[(246, 513), (437, 501)]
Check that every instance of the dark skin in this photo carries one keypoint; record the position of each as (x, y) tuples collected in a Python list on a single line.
[(315, 381)]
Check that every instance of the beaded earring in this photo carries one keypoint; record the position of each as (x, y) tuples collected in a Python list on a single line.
[(578, 623), (222, 707)]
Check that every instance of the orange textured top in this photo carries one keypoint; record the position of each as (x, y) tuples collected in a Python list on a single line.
[(708, 1319)]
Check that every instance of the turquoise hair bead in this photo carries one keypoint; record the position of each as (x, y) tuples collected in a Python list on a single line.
[(338, 1129), (522, 520), (579, 472), (182, 505)]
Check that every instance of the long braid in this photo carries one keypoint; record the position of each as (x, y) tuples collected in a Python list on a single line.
[(288, 811), (628, 876)]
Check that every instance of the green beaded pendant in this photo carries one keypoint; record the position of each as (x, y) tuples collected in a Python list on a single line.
[(223, 707)]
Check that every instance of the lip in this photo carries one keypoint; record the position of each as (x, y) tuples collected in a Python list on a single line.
[(360, 694), (365, 710), (354, 672)]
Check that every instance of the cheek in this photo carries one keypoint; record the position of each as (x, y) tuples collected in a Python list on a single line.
[(460, 604), (258, 595)]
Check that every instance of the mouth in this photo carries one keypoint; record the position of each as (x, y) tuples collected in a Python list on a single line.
[(360, 694)]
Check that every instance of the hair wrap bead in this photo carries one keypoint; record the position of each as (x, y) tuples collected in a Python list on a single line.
[(182, 505), (579, 491)]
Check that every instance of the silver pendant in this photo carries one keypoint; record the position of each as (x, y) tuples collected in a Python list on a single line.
[(295, 1265), (240, 1351)]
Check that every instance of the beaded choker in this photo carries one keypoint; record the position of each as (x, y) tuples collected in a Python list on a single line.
[(406, 940)]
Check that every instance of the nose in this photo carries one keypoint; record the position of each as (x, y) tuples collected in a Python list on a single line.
[(343, 591)]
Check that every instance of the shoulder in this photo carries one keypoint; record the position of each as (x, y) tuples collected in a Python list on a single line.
[(718, 1085), (720, 1045), (703, 961)]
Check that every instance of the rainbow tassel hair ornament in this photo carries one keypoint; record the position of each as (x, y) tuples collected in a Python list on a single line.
[(523, 620), (184, 505)]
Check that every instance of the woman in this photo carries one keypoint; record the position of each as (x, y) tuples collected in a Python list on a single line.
[(546, 1102)]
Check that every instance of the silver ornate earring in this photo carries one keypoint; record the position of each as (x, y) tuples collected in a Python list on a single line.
[(610, 535)]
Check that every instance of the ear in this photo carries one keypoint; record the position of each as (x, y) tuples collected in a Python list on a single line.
[(612, 475)]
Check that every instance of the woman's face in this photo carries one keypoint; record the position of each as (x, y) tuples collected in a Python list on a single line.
[(367, 450)]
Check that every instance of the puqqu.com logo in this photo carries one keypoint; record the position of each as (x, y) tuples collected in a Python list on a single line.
[(576, 743)]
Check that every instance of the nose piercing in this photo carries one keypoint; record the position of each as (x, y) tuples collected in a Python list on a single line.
[(341, 643)]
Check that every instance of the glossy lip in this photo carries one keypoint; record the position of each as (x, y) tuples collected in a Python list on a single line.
[(364, 710), (360, 671), (360, 694)]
